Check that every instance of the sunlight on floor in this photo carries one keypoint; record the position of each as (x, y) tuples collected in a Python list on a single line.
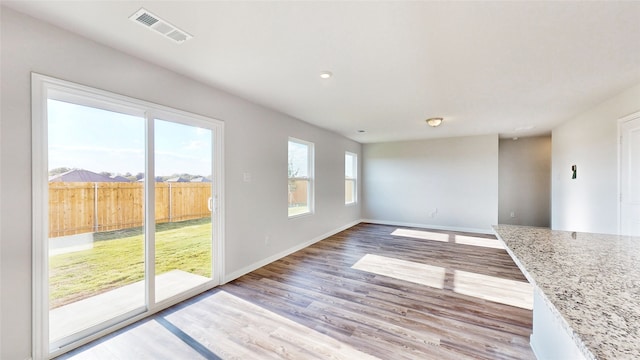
[(414, 272), (236, 328), (504, 291), (418, 234), (478, 241)]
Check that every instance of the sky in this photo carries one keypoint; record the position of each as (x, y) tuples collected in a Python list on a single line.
[(298, 159), (100, 140), (349, 166)]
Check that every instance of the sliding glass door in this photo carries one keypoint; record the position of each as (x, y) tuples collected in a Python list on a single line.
[(183, 247), (127, 210), (96, 216)]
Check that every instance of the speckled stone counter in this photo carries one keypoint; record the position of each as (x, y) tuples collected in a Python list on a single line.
[(590, 281)]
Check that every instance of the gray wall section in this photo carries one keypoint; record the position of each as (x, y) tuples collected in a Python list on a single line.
[(589, 140), (447, 183), (525, 181), (256, 142)]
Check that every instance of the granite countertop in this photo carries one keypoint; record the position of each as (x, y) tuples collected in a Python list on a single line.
[(591, 280)]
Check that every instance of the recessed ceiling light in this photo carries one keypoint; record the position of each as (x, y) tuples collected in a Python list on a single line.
[(524, 128), (434, 122), (326, 74)]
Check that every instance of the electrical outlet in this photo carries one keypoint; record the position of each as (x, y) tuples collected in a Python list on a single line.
[(513, 214), (434, 212)]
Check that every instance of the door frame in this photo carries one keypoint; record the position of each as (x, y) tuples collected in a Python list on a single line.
[(42, 86), (621, 121)]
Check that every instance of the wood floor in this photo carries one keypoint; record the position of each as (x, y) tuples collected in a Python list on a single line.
[(360, 294)]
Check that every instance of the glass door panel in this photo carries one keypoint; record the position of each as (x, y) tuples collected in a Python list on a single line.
[(96, 218), (184, 203)]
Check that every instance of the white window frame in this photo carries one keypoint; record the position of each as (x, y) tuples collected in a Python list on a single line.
[(354, 178), (309, 178), (44, 88)]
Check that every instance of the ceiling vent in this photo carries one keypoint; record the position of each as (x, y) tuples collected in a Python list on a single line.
[(150, 21)]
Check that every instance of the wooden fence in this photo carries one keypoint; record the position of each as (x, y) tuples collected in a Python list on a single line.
[(76, 208), (298, 192)]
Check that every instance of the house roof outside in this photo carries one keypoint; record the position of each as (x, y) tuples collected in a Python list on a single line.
[(118, 178), (201, 179), (177, 179), (81, 175), (157, 178)]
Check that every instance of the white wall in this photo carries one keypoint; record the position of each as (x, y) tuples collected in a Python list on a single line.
[(256, 142), (405, 182), (524, 181), (590, 141)]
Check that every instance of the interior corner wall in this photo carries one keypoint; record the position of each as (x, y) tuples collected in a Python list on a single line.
[(447, 183), (525, 181), (589, 203), (255, 143)]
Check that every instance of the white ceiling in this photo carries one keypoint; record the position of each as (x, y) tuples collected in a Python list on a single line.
[(486, 67)]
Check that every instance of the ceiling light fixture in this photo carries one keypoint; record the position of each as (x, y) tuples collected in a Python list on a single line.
[(326, 74), (434, 122)]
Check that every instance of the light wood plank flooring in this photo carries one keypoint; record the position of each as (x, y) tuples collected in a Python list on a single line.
[(360, 294)]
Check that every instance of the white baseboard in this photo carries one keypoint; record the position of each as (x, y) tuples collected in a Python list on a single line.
[(427, 226), (247, 269)]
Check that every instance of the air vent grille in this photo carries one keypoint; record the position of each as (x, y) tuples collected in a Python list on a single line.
[(163, 28), (147, 19), (177, 36), (166, 29)]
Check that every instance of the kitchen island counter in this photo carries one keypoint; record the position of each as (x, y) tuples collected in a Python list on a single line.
[(590, 284)]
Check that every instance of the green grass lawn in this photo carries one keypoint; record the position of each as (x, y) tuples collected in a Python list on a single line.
[(297, 210), (117, 259)]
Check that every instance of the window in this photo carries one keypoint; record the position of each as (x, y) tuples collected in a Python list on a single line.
[(350, 178), (300, 173)]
